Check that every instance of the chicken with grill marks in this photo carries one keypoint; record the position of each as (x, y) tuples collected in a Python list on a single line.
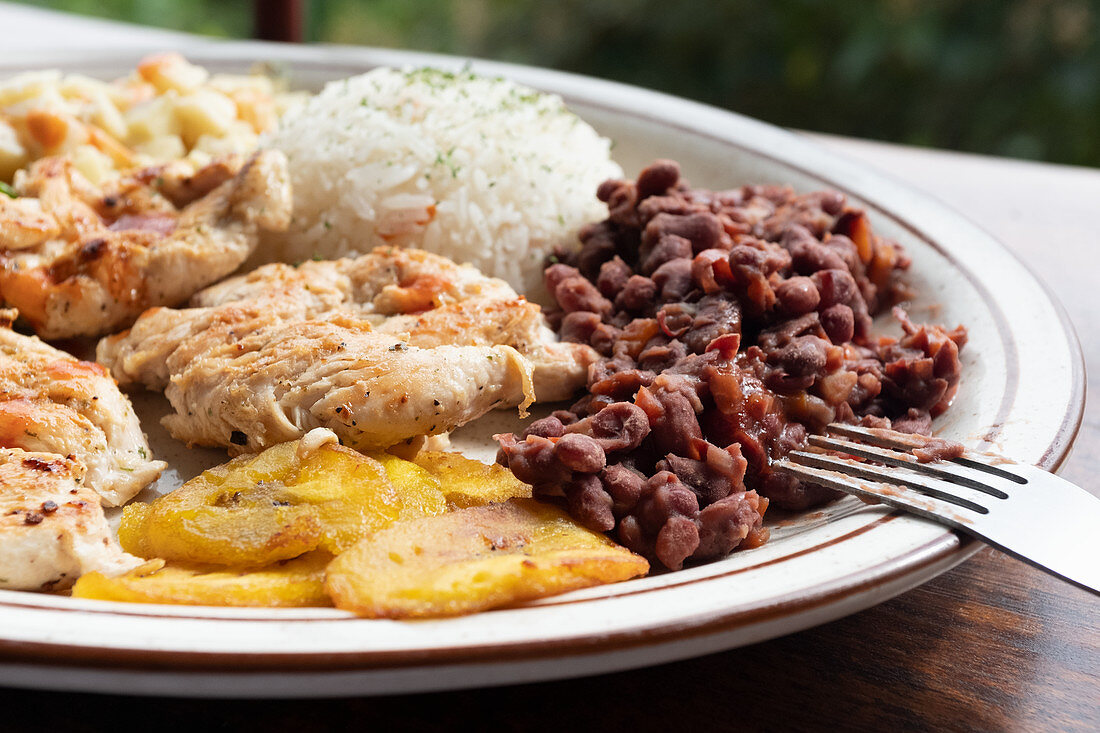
[(79, 260), (51, 402), (381, 348), (52, 527), (69, 443), (277, 382), (383, 282), (558, 368)]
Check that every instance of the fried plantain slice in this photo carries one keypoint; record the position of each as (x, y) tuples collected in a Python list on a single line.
[(468, 483), (297, 582), (291, 499), (421, 491), (474, 559)]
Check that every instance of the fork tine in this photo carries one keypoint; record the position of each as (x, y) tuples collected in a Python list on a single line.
[(898, 497), (1008, 523), (945, 471), (875, 436), (892, 477), (904, 441)]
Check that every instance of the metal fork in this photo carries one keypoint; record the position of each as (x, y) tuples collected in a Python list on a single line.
[(1025, 511)]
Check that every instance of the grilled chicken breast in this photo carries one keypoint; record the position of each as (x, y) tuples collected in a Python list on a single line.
[(559, 368), (77, 260), (372, 389), (52, 528), (385, 281), (425, 299), (69, 443), (381, 348), (247, 377), (51, 402)]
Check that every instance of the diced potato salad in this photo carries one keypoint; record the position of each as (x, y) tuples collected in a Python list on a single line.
[(167, 109), (312, 523)]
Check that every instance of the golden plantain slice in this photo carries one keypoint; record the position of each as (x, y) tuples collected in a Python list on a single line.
[(297, 582), (468, 483), (255, 510), (350, 494), (421, 493), (474, 559)]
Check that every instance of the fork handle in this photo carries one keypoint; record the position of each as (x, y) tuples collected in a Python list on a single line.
[(1065, 528)]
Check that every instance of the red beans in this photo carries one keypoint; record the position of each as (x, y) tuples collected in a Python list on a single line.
[(715, 316), (669, 247), (674, 280), (580, 453), (798, 295), (839, 323), (579, 326), (613, 276), (676, 319), (599, 247), (727, 523), (658, 177), (803, 356), (589, 503), (711, 271), (677, 540), (621, 203), (547, 427), (836, 286), (671, 413), (638, 295), (577, 294), (812, 256), (730, 323), (532, 460), (702, 229), (618, 427), (623, 486), (555, 275)]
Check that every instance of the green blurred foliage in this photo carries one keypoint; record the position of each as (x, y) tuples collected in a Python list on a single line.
[(1006, 77), (225, 18)]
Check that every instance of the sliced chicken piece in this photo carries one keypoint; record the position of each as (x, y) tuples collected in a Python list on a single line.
[(52, 527), (182, 185), (428, 298), (24, 224), (385, 281), (373, 390), (117, 252), (378, 284), (52, 402), (428, 345), (140, 355), (558, 368)]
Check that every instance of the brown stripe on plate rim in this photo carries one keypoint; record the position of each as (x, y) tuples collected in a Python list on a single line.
[(148, 610), (930, 554)]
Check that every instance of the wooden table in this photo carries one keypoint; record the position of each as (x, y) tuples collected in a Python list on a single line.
[(991, 645)]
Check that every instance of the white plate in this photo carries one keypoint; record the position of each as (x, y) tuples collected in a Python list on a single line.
[(1022, 393)]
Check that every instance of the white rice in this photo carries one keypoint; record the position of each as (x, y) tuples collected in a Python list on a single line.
[(480, 170)]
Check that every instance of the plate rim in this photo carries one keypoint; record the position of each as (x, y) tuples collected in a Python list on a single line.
[(947, 548)]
